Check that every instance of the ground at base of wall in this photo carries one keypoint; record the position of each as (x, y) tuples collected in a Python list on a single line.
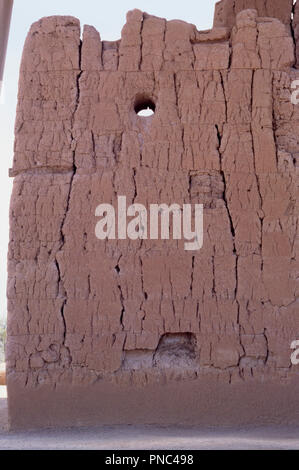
[(145, 437), (3, 411)]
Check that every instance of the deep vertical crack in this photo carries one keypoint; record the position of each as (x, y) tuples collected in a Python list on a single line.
[(121, 296), (232, 229), (192, 275), (123, 310), (141, 42), (292, 27), (74, 170), (267, 345), (233, 233)]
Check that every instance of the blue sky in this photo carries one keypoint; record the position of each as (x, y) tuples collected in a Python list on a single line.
[(108, 17)]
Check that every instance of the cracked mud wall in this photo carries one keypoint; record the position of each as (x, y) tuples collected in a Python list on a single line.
[(131, 315), (227, 10)]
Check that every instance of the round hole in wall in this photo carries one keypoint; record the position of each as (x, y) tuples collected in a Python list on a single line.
[(144, 106)]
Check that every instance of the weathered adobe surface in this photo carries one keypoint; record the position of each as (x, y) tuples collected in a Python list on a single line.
[(143, 331), (226, 10)]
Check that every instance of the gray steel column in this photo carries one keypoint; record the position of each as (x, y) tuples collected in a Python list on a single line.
[(5, 16)]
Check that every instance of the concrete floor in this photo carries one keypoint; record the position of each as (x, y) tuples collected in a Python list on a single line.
[(144, 437)]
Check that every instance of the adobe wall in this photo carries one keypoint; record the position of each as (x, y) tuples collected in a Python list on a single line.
[(226, 10), (124, 331)]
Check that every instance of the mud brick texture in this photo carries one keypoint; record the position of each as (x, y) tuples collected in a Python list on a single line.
[(123, 331)]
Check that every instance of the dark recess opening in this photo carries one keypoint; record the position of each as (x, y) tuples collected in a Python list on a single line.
[(144, 106)]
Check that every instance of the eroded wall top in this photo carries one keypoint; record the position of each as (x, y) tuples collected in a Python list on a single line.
[(226, 10)]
